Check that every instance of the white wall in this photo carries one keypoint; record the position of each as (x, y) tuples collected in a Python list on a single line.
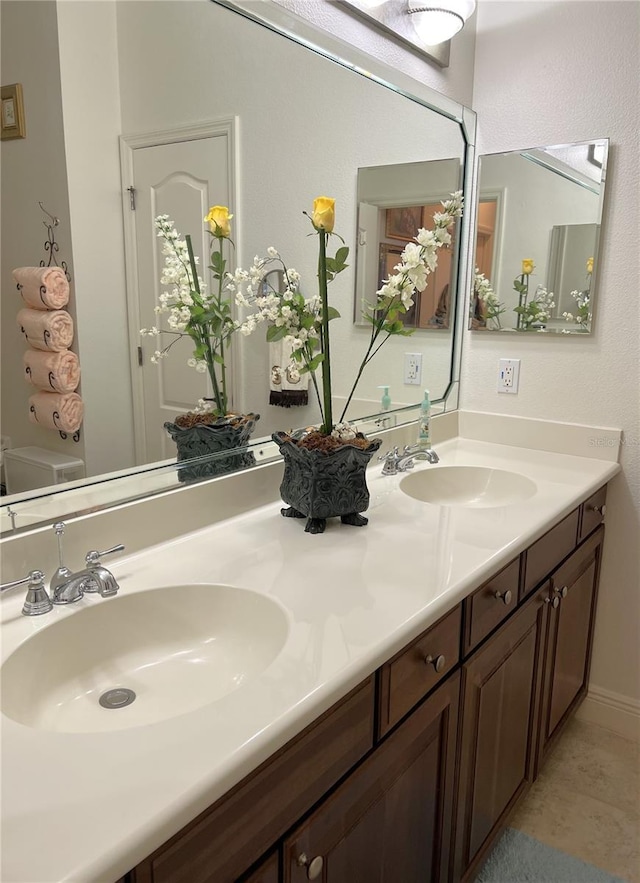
[(91, 100), (454, 81), (549, 73), (33, 170)]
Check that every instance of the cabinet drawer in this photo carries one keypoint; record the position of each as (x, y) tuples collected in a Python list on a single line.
[(490, 605), (545, 555), (226, 839), (410, 675), (593, 512)]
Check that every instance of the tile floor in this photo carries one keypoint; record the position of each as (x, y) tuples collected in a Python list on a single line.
[(586, 800)]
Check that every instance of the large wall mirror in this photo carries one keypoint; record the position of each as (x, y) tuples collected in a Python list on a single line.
[(537, 237), (289, 119)]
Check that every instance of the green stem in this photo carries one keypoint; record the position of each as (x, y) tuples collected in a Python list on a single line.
[(206, 341), (375, 333), (327, 425), (223, 368)]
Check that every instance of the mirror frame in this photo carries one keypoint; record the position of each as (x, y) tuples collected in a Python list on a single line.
[(288, 25)]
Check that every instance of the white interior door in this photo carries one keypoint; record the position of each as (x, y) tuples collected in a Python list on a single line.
[(181, 178)]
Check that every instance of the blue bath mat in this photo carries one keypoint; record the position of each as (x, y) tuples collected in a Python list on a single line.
[(518, 858)]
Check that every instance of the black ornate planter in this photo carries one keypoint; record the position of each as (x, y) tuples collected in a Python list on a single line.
[(204, 439), (319, 485)]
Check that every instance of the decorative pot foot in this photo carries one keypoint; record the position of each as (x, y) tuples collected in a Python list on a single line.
[(315, 525), (292, 513), (355, 519)]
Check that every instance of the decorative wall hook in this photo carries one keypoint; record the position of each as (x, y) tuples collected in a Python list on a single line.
[(51, 246)]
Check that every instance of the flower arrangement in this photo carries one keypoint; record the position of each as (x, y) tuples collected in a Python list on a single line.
[(304, 321), (484, 295), (582, 316), (195, 312), (531, 312)]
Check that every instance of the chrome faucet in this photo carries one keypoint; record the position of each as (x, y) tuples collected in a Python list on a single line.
[(37, 600), (67, 587), (401, 461)]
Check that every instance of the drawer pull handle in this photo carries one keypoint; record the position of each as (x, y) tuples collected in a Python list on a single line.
[(438, 662), (505, 597), (602, 509), (314, 866), (555, 602), (563, 592)]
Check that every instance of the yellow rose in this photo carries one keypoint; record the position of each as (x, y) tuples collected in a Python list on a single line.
[(324, 213), (589, 265), (218, 220), (528, 267)]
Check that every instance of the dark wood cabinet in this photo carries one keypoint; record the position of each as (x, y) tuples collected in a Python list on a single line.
[(573, 591), (501, 693), (268, 871), (390, 820), (412, 775)]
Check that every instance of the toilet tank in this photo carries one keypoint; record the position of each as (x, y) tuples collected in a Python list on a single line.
[(31, 467)]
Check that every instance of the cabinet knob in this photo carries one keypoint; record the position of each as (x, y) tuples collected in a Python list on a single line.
[(562, 592), (602, 509), (505, 597), (314, 866), (555, 602), (438, 662)]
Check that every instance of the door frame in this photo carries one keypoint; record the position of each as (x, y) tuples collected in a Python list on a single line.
[(227, 126)]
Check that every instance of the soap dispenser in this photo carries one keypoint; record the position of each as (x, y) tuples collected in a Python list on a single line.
[(385, 405), (385, 402), (424, 429)]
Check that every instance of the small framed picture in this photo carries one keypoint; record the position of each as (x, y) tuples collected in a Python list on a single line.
[(12, 119), (403, 222)]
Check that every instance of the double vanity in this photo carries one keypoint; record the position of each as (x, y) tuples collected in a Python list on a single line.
[(309, 707)]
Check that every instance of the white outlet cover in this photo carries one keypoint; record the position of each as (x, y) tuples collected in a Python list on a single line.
[(508, 376)]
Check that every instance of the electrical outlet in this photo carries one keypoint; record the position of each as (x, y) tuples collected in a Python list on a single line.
[(508, 375), (413, 369)]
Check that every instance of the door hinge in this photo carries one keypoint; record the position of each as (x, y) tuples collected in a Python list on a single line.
[(140, 357), (132, 198)]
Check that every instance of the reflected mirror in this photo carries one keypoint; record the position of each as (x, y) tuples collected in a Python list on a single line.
[(537, 235), (394, 201), (269, 163)]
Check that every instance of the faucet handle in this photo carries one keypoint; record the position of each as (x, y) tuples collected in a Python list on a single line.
[(37, 600), (93, 558)]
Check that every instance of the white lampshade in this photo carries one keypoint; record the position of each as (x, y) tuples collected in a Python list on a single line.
[(436, 21), (370, 4)]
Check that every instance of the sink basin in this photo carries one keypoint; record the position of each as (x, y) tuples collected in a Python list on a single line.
[(177, 648), (475, 487)]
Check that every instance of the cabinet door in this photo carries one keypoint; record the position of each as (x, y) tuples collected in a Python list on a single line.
[(501, 685), (390, 821), (571, 621), (268, 871)]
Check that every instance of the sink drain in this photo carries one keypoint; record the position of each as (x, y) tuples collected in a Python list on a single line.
[(119, 697)]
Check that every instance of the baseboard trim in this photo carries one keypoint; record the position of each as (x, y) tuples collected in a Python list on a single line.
[(612, 711)]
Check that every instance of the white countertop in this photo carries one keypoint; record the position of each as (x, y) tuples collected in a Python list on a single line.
[(90, 806)]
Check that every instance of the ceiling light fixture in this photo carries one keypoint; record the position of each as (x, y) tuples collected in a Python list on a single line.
[(440, 20)]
